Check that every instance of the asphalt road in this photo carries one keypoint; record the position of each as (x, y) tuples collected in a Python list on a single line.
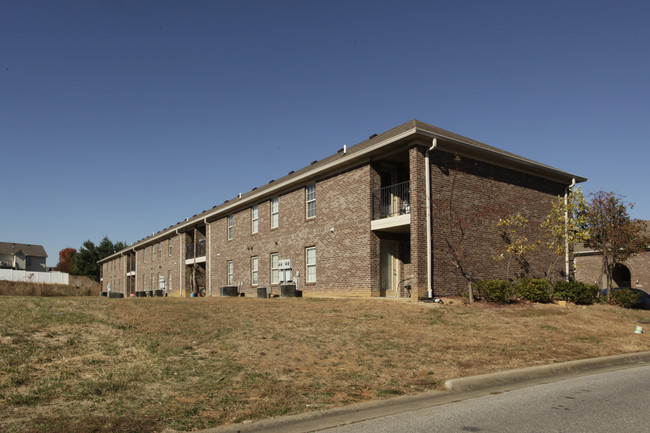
[(615, 401)]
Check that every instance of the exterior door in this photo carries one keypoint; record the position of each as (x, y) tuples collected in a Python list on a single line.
[(389, 269)]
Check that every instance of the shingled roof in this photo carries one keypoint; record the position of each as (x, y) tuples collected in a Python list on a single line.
[(414, 130), (27, 249)]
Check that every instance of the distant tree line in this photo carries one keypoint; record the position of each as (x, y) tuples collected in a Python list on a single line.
[(84, 261)]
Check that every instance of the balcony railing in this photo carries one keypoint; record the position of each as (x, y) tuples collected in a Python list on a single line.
[(391, 201), (200, 250)]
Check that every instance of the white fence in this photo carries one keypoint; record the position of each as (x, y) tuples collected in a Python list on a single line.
[(34, 277)]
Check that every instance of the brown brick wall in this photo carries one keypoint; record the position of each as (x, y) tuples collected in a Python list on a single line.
[(480, 194), (342, 256), (146, 264), (588, 270)]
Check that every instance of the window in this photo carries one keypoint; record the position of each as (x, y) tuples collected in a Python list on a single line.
[(144, 283), (159, 249), (170, 247), (274, 213), (231, 230), (311, 201), (144, 255), (275, 272), (254, 271), (310, 261), (254, 219), (153, 253), (153, 280), (161, 281), (169, 278), (230, 273)]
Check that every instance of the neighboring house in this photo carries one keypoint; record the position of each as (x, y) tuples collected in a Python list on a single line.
[(359, 223), (634, 272), (24, 257)]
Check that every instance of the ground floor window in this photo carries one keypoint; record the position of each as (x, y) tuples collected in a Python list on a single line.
[(310, 261), (275, 272), (254, 271), (230, 270)]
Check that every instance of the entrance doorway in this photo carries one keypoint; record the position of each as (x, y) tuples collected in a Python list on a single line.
[(621, 276), (389, 269)]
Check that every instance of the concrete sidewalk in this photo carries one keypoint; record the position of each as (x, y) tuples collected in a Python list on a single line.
[(459, 389)]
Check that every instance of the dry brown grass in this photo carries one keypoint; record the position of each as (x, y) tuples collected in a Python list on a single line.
[(96, 364), (20, 288)]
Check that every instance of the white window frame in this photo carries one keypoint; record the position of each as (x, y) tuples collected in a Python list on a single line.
[(275, 268), (159, 249), (310, 265), (254, 271), (254, 219), (153, 282), (231, 227), (169, 281), (170, 247), (310, 201), (144, 255), (275, 213), (230, 272)]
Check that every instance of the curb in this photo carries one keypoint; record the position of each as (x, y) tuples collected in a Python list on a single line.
[(544, 371), (459, 389)]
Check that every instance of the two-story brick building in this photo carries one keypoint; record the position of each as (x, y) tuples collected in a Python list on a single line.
[(369, 220)]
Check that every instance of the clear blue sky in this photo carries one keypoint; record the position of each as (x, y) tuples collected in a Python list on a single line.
[(120, 118)]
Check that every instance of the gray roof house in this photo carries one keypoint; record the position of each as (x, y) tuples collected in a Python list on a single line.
[(24, 257)]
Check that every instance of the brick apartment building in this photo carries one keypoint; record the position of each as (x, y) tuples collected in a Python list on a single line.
[(355, 224)]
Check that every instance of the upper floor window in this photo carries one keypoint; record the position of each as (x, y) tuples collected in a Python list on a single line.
[(254, 278), (144, 255), (231, 228), (311, 200), (254, 219), (153, 252), (170, 246), (275, 213), (159, 249), (310, 261)]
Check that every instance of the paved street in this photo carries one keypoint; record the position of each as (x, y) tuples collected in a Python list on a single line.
[(605, 402)]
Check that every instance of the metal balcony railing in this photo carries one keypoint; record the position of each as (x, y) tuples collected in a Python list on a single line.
[(392, 200), (200, 250)]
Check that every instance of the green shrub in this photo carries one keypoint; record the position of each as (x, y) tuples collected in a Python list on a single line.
[(576, 292), (626, 298), (533, 289), (498, 291)]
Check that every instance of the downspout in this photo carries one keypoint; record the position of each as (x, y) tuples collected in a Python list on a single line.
[(566, 229), (427, 179)]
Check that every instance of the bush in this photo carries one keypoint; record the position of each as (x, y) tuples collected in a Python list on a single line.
[(498, 291), (626, 298), (576, 292), (533, 290)]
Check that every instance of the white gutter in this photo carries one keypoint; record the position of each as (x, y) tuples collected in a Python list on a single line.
[(566, 229), (427, 179)]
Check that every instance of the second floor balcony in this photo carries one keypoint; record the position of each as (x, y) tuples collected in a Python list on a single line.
[(195, 250), (390, 201), (391, 208)]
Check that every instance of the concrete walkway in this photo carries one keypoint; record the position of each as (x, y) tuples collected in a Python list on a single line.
[(459, 389)]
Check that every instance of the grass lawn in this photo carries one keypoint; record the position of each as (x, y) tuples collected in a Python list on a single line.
[(97, 364)]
